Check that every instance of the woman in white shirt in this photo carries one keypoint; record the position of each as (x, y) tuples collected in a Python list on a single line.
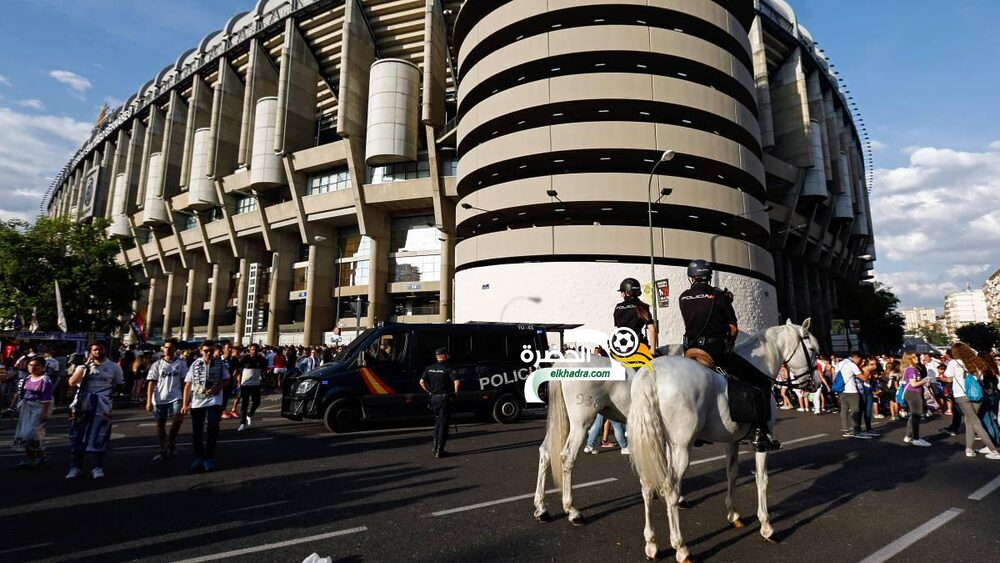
[(967, 362)]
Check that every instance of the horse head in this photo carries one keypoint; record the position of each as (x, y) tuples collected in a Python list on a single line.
[(799, 350)]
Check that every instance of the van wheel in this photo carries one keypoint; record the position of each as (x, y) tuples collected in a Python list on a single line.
[(342, 415), (506, 409)]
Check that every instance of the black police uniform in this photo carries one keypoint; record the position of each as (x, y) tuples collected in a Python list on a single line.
[(634, 314), (440, 379), (708, 313)]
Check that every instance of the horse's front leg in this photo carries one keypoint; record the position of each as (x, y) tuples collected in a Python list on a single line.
[(648, 533), (569, 453), (541, 513), (732, 471), (765, 521)]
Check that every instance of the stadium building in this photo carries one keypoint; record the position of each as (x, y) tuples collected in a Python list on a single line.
[(325, 163)]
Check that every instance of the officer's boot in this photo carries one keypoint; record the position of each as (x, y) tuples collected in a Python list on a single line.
[(435, 448), (763, 441)]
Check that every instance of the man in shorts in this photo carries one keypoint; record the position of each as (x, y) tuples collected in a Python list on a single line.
[(164, 393)]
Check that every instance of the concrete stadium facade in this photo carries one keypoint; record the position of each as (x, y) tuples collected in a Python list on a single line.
[(328, 163)]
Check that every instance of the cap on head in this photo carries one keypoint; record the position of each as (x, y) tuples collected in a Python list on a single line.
[(630, 287), (699, 270), (441, 352)]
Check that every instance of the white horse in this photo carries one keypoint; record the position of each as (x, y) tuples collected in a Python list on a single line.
[(685, 401), (573, 405)]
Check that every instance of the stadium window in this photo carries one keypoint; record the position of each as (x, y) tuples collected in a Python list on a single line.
[(330, 181)]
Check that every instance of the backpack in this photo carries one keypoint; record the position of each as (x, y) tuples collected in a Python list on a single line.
[(973, 390), (838, 383)]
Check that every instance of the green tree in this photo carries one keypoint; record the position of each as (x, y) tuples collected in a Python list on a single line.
[(875, 306), (981, 336), (934, 334), (97, 291)]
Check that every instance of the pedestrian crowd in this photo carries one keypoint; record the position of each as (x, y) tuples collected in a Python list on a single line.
[(209, 383), (960, 383)]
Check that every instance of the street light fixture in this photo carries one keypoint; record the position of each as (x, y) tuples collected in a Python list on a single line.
[(667, 156)]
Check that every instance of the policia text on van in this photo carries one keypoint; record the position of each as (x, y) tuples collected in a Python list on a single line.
[(378, 374)]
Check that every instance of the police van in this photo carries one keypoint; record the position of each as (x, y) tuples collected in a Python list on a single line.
[(377, 375)]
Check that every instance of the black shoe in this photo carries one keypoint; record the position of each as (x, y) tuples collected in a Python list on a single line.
[(949, 432), (700, 443), (440, 454), (761, 441)]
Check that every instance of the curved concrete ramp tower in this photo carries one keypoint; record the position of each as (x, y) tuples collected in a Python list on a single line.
[(564, 109)]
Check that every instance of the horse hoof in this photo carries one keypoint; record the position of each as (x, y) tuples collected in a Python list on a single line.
[(543, 517), (651, 551), (770, 541), (577, 521), (683, 504), (738, 524)]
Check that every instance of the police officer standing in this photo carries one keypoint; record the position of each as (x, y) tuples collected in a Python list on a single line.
[(634, 314), (711, 326), (441, 382)]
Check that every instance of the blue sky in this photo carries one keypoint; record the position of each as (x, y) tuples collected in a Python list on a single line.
[(923, 72)]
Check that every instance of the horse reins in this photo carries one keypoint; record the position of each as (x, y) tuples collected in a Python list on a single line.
[(793, 379)]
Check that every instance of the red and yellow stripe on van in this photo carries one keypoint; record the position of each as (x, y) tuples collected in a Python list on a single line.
[(375, 385)]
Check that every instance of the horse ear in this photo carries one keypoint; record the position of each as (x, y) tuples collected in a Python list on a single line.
[(805, 325), (788, 322)]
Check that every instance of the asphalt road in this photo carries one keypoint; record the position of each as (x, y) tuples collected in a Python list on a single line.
[(287, 489)]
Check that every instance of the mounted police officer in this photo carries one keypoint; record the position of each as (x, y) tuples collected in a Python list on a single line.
[(711, 326), (440, 381), (634, 314)]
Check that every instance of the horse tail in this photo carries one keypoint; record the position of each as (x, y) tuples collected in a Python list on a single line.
[(557, 430), (647, 437)]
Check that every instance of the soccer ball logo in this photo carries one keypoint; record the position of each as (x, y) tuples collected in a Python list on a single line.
[(623, 342)]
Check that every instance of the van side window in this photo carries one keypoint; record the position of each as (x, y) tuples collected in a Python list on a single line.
[(489, 346), (390, 348), (430, 341), (460, 346)]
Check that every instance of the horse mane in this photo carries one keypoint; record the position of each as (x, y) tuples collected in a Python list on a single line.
[(751, 346)]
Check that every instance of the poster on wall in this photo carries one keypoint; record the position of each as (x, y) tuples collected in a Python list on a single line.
[(663, 293), (88, 197)]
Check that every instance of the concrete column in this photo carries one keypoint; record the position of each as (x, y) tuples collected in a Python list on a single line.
[(197, 291), (198, 116), (221, 282), (319, 287), (173, 146), (224, 139), (298, 81), (803, 290), (284, 250), (790, 112), (378, 299), (760, 72), (790, 288), (172, 301), (241, 300), (152, 142), (447, 275), (154, 300), (261, 81)]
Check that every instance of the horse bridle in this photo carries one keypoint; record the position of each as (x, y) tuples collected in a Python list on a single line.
[(810, 360)]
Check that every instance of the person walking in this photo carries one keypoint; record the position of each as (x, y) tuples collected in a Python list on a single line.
[(250, 376), (595, 430), (914, 396), (34, 408), (850, 399), (203, 386), (90, 430), (965, 365), (441, 383), (164, 395)]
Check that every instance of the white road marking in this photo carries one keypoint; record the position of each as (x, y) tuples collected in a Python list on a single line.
[(986, 489), (256, 506), (26, 547), (276, 545), (913, 537), (789, 442), (518, 497)]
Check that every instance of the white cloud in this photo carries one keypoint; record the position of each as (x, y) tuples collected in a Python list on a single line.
[(994, 146), (937, 222), (878, 145), (4, 81), (33, 103), (77, 83), (33, 148)]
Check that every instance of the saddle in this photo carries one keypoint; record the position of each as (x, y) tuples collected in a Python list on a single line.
[(700, 356)]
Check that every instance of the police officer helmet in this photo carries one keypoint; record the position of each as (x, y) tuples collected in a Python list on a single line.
[(631, 287), (441, 352), (699, 270)]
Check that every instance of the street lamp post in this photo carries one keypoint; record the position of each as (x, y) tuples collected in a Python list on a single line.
[(667, 156)]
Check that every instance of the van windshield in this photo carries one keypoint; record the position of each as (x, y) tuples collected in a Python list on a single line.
[(354, 345)]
